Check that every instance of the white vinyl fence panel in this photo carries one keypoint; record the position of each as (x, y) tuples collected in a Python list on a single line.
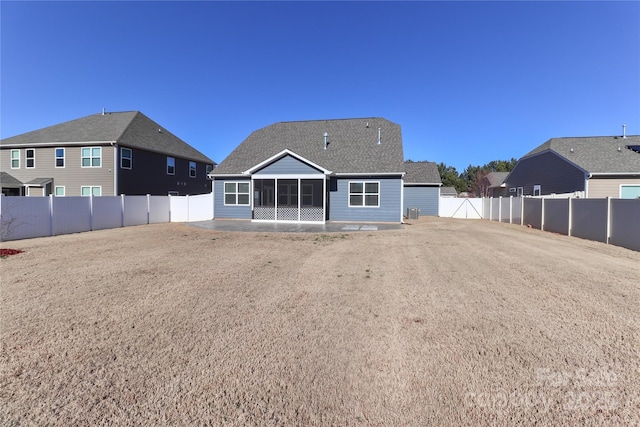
[(589, 219), (159, 209), (29, 217), (615, 221), (200, 207), (556, 215), (72, 215), (135, 210), (450, 207), (625, 223), (107, 212), (24, 217)]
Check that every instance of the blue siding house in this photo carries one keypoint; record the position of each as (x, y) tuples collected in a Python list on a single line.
[(321, 170)]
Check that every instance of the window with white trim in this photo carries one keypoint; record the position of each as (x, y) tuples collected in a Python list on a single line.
[(520, 192), (60, 157), (15, 159), (30, 158), (171, 166), (59, 191), (126, 158), (236, 193), (192, 169), (87, 190), (364, 194), (629, 191), (536, 190), (91, 157)]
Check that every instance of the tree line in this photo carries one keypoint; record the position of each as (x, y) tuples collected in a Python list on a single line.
[(470, 180)]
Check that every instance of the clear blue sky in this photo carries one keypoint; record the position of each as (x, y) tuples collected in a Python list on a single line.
[(469, 82)]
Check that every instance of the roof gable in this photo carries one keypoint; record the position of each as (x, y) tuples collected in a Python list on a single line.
[(352, 146), (283, 156), (598, 155)]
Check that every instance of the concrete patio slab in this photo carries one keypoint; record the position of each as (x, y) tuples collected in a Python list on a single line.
[(282, 227)]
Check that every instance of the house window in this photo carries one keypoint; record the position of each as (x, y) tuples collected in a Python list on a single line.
[(536, 190), (91, 191), (520, 192), (174, 193), (209, 168), (91, 157), (171, 166), (30, 157), (192, 169), (59, 192), (236, 193), (126, 158), (59, 157), (15, 159), (630, 191), (364, 194)]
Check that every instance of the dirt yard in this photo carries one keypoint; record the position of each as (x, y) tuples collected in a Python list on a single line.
[(446, 322)]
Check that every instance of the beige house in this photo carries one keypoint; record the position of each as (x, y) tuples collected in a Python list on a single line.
[(104, 154)]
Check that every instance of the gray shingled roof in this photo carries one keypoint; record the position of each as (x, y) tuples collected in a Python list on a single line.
[(421, 173), (132, 129), (600, 154), (353, 146), (8, 181), (448, 190), (496, 178)]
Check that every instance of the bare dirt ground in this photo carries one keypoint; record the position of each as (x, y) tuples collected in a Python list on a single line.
[(446, 322)]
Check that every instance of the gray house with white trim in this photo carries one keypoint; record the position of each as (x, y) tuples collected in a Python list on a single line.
[(104, 154), (314, 171), (593, 167)]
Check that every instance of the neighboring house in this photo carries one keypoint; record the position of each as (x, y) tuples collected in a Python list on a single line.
[(9, 186), (448, 192), (422, 188), (594, 167), (314, 171), (493, 185), (103, 155)]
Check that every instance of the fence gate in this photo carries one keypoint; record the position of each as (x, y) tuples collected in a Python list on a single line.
[(460, 208)]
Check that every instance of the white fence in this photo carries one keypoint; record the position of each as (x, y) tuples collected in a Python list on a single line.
[(450, 207), (614, 221), (28, 217)]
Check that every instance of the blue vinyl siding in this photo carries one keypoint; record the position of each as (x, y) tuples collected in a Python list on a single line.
[(424, 198), (287, 165), (390, 201), (222, 211)]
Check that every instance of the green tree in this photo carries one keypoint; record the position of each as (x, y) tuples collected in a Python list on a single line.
[(450, 177)]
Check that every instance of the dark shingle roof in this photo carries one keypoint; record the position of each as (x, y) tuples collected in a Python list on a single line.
[(421, 173), (132, 129), (600, 154), (353, 146), (496, 179), (8, 181)]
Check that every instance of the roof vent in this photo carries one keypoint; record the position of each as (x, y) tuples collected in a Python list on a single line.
[(103, 111), (624, 131), (325, 140), (379, 138), (571, 150)]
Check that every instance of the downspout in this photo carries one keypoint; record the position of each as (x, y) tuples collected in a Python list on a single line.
[(586, 185), (115, 168)]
